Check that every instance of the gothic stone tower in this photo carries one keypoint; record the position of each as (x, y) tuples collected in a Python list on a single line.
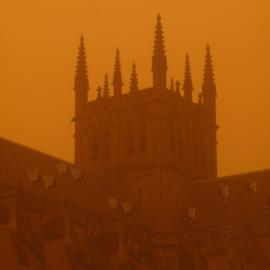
[(156, 139)]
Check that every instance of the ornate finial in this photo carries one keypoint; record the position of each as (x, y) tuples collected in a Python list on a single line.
[(159, 46), (82, 38), (106, 90), (134, 79)]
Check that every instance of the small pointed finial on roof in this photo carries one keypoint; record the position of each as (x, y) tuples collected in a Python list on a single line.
[(134, 79), (106, 90)]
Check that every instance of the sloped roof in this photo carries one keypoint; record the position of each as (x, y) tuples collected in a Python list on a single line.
[(240, 207), (88, 191)]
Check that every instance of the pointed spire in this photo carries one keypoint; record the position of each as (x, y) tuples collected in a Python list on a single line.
[(177, 87), (209, 85), (81, 78), (99, 92), (188, 86), (159, 44), (159, 60), (106, 90), (117, 78), (134, 79)]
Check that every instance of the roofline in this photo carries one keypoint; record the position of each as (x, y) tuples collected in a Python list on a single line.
[(228, 177), (34, 150)]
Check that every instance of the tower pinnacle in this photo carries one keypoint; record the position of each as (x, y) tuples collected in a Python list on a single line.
[(209, 86), (117, 78), (81, 84), (81, 78), (188, 86), (159, 59)]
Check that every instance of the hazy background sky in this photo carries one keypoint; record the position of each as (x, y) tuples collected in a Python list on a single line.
[(38, 50)]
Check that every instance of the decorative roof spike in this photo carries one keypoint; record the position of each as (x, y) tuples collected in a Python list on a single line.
[(106, 90), (208, 77), (188, 86), (159, 44), (134, 79), (117, 77), (81, 78), (159, 59)]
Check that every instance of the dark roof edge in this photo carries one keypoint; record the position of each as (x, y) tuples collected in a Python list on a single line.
[(28, 148), (228, 177)]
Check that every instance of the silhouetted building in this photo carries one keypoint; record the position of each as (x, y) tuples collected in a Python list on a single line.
[(155, 138), (143, 192)]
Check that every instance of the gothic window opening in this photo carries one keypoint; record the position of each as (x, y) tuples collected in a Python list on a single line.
[(143, 139)]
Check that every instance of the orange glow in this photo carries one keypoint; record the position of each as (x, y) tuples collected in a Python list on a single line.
[(38, 51)]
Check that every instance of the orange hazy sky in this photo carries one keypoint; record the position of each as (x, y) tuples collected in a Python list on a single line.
[(38, 48)]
